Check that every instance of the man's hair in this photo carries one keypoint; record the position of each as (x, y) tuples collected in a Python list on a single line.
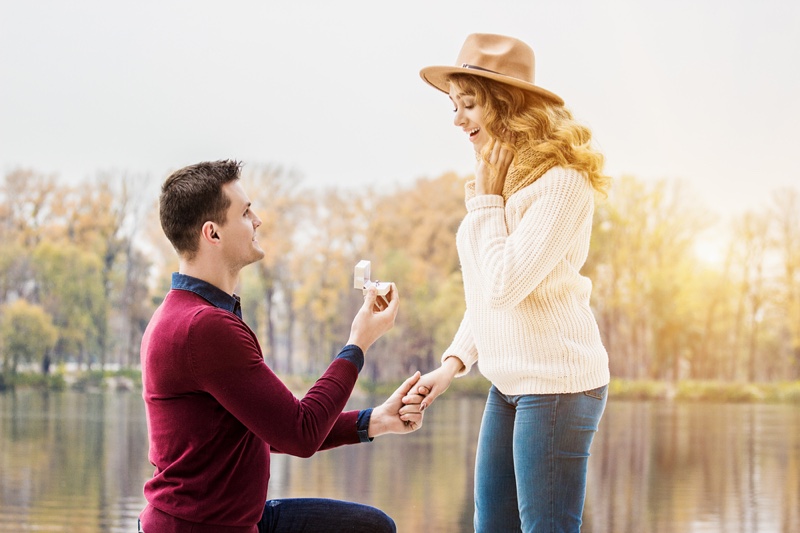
[(192, 196)]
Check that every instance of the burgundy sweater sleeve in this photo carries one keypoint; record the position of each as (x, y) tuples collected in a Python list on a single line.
[(226, 362)]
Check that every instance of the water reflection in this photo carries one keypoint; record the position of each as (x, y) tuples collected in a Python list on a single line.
[(76, 462), (662, 467), (70, 461)]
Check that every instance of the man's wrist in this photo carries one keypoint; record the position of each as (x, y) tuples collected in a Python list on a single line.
[(356, 341), (354, 354), (362, 425)]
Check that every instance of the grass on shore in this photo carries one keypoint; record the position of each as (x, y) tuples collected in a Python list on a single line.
[(473, 385)]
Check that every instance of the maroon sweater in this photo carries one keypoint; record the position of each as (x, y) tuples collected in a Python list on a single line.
[(214, 412)]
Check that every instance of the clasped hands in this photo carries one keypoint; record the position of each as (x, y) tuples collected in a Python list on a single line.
[(424, 390), (402, 412)]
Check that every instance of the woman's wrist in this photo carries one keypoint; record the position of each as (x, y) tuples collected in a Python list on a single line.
[(453, 365)]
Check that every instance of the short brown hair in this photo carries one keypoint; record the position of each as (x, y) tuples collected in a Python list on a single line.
[(192, 196)]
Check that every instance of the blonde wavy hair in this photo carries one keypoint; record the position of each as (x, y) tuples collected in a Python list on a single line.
[(547, 127)]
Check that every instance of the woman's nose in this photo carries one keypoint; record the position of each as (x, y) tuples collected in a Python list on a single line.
[(458, 119)]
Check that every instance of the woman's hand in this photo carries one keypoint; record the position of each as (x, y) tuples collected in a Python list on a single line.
[(491, 177), (434, 383)]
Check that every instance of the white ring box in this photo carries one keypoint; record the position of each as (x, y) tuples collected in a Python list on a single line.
[(361, 280)]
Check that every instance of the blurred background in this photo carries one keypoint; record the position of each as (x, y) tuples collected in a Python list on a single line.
[(348, 155)]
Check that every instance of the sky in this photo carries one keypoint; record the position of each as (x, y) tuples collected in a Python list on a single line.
[(703, 91)]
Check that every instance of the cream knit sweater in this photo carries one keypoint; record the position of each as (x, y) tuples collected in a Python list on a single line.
[(528, 323)]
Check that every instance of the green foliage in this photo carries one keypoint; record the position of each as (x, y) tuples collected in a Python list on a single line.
[(71, 289), (26, 334), (90, 380), (705, 391), (666, 313), (718, 391), (36, 380), (628, 389)]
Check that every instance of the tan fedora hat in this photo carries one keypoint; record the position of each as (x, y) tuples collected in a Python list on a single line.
[(497, 57)]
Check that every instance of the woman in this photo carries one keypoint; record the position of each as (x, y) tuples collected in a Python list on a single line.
[(528, 323)]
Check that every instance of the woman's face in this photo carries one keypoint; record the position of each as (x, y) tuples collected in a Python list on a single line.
[(468, 117)]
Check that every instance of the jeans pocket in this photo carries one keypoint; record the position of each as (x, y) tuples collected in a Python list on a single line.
[(599, 393)]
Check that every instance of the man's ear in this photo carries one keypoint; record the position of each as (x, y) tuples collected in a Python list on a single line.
[(209, 232)]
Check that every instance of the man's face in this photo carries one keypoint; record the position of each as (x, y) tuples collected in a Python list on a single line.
[(240, 246)]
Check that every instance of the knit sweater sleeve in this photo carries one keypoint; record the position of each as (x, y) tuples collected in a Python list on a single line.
[(511, 265), (463, 346)]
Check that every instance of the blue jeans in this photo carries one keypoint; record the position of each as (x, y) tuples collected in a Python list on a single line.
[(319, 515), (533, 451)]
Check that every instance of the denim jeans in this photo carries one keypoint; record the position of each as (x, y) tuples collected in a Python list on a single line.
[(319, 515), (533, 451)]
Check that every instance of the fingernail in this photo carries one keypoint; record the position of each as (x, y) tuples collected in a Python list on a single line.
[(422, 407)]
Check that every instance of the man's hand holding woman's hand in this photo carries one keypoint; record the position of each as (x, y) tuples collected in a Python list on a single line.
[(394, 415), (433, 384)]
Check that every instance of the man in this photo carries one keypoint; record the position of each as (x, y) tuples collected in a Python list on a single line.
[(214, 408)]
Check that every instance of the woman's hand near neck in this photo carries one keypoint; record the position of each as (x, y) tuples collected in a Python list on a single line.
[(490, 177)]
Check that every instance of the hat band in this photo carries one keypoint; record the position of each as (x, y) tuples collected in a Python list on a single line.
[(467, 65)]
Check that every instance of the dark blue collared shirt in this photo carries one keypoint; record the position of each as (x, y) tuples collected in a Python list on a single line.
[(221, 299), (213, 295)]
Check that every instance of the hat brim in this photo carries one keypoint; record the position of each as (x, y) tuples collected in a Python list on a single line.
[(437, 77)]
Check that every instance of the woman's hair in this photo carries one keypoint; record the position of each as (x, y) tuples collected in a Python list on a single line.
[(192, 196), (545, 126)]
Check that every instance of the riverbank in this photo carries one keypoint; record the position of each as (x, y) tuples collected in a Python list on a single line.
[(682, 391), (474, 385)]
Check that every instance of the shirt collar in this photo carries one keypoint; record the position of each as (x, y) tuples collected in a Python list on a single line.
[(213, 295)]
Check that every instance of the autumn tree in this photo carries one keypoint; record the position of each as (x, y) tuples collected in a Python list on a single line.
[(748, 248), (69, 286), (27, 334), (283, 208), (322, 266), (786, 216), (410, 238), (26, 199), (642, 264), (103, 217)]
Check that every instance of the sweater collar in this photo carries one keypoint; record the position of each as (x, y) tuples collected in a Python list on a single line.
[(213, 295), (528, 166)]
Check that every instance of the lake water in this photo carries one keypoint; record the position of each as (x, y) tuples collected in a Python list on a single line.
[(76, 462)]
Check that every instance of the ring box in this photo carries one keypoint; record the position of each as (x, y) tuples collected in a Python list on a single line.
[(361, 280)]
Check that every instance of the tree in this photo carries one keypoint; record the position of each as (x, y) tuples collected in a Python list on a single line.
[(282, 208), (103, 217), (410, 238), (748, 248), (27, 334), (322, 264), (69, 286), (641, 262), (786, 216), (25, 210)]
